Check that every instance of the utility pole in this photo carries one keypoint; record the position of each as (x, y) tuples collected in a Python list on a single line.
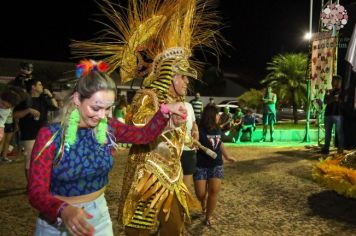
[(307, 124)]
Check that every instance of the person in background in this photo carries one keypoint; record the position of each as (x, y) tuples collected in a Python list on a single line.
[(210, 172), (120, 109), (198, 105), (25, 75), (236, 124), (120, 113), (333, 115), (225, 120), (211, 101), (9, 98), (248, 124), (32, 115), (269, 100), (189, 159), (71, 160)]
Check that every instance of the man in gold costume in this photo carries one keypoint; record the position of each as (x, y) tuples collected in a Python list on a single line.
[(155, 42), (153, 190)]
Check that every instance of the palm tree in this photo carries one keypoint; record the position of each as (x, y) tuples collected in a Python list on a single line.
[(287, 76)]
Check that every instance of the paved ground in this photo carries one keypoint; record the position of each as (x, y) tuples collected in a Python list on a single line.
[(268, 191)]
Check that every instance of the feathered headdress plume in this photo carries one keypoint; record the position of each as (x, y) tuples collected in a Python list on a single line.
[(141, 37)]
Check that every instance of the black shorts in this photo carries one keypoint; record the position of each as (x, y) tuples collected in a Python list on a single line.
[(189, 162), (9, 128)]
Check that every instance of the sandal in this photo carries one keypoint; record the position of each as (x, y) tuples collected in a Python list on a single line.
[(208, 222)]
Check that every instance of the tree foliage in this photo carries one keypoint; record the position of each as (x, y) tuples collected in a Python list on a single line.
[(287, 77), (251, 99)]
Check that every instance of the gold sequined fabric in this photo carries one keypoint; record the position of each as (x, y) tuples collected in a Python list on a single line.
[(153, 174)]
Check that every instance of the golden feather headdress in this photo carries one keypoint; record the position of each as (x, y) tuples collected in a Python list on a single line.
[(150, 32)]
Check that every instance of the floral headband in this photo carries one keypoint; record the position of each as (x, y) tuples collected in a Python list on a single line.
[(87, 66)]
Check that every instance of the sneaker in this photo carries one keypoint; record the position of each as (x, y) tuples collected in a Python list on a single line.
[(5, 159)]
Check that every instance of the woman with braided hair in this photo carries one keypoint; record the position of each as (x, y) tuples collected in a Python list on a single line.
[(71, 160)]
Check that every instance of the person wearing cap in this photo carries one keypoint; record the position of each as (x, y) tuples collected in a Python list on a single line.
[(24, 75)]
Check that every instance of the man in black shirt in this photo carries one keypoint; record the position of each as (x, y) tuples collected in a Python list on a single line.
[(32, 115), (333, 115)]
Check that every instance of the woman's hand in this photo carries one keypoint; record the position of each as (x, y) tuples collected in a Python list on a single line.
[(230, 159), (74, 219)]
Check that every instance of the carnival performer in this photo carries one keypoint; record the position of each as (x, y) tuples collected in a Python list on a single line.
[(156, 42), (71, 160)]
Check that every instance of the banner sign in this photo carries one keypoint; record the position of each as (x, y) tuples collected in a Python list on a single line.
[(322, 67)]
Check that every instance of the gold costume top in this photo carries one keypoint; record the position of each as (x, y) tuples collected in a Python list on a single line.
[(153, 173)]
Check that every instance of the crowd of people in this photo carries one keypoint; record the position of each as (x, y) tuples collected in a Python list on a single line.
[(176, 147), (176, 151), (70, 160)]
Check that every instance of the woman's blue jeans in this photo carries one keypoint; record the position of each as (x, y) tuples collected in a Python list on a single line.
[(101, 220)]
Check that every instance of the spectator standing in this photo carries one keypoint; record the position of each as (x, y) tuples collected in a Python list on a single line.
[(211, 101), (210, 172), (333, 115), (32, 116), (269, 100), (198, 105), (9, 98)]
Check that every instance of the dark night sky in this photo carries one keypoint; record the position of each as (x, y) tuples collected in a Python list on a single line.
[(256, 29)]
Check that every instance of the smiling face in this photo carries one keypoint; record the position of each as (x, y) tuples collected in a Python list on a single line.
[(95, 108), (179, 85)]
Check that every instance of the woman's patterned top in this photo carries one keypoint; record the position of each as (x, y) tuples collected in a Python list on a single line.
[(84, 167)]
